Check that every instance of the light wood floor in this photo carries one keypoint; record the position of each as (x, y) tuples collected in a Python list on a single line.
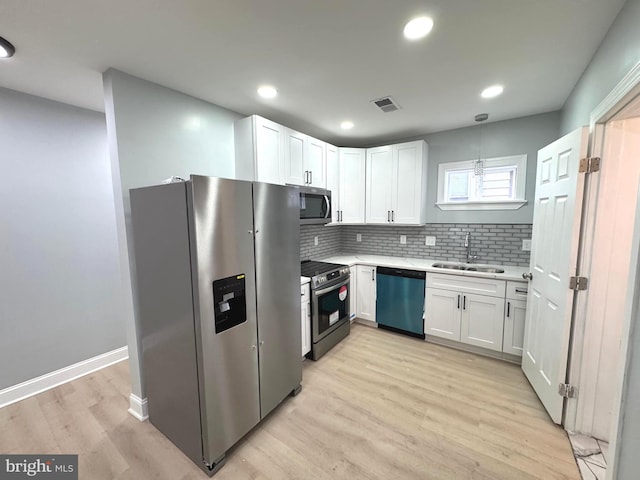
[(378, 406)]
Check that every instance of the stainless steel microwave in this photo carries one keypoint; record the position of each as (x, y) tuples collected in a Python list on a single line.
[(315, 205)]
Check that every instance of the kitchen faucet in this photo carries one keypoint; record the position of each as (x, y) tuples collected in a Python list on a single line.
[(471, 256)]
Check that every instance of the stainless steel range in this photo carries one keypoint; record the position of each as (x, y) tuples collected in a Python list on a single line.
[(330, 290)]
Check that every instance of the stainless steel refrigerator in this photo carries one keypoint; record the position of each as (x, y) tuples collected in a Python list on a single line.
[(218, 305)]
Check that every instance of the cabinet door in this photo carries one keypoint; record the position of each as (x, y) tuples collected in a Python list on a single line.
[(407, 185), (269, 151), (333, 184), (353, 296), (513, 337), (315, 163), (379, 179), (366, 284), (352, 185), (442, 313), (482, 321), (295, 146)]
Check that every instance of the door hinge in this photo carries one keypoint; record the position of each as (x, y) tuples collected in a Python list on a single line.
[(567, 391), (578, 283), (589, 165)]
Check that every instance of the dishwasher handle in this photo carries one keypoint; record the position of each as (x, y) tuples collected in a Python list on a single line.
[(401, 272)]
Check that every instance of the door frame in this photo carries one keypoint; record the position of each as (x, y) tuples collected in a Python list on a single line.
[(582, 345)]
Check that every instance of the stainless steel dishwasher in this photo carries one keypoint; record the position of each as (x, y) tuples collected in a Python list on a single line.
[(400, 300)]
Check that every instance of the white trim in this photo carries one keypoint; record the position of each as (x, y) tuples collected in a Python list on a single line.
[(626, 90), (501, 205), (45, 382), (138, 407)]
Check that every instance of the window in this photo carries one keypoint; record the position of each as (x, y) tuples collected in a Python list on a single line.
[(500, 187)]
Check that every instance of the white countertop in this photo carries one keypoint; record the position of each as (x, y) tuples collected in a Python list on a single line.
[(304, 280), (424, 264)]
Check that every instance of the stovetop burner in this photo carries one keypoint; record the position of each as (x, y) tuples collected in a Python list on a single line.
[(311, 268)]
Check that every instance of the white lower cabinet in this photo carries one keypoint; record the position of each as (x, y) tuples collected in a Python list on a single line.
[(305, 318), (482, 321), (442, 317), (514, 317), (353, 297), (366, 293), (456, 311)]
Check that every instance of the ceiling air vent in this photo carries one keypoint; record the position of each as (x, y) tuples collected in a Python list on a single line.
[(386, 104)]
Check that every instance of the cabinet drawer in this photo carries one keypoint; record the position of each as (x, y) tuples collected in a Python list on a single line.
[(517, 290), (459, 283), (304, 292)]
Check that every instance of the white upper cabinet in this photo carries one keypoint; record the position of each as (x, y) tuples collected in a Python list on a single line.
[(333, 180), (305, 160), (379, 172), (397, 184), (315, 163), (259, 148), (351, 201), (294, 153)]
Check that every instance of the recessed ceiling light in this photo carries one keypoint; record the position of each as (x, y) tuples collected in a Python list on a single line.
[(346, 125), (6, 49), (267, 91), (492, 91), (418, 27)]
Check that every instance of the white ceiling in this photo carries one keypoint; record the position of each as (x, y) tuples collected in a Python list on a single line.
[(328, 58)]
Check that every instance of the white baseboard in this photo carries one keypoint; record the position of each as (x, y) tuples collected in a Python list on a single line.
[(138, 407), (45, 382)]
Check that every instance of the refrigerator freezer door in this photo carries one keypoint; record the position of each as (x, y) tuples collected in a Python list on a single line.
[(221, 229), (277, 246)]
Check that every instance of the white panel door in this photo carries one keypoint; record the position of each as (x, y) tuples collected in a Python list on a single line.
[(407, 182), (269, 151), (295, 145), (442, 313), (352, 185), (366, 284), (556, 230), (482, 321), (379, 179), (514, 321), (333, 180), (315, 163)]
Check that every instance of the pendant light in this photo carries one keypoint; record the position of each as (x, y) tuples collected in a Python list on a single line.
[(478, 165)]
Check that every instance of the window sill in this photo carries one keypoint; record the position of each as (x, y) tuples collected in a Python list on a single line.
[(502, 205)]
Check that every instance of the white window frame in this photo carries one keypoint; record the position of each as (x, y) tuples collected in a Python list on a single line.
[(519, 161)]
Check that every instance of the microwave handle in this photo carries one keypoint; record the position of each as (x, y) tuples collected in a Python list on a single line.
[(326, 201)]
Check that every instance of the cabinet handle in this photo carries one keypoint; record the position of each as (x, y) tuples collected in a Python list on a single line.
[(388, 216), (464, 302), (458, 302), (310, 177), (508, 308), (520, 290), (393, 215), (372, 277)]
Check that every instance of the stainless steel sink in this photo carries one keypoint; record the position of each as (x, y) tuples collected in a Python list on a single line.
[(485, 269), (469, 268)]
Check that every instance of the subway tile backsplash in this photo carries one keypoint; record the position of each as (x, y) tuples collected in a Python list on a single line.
[(493, 243)]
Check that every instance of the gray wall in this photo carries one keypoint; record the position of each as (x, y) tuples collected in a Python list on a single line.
[(60, 296), (155, 133), (616, 55), (509, 137)]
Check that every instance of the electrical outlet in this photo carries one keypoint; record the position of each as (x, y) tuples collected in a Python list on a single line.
[(430, 241), (315, 240), (358, 237), (403, 239), (526, 244)]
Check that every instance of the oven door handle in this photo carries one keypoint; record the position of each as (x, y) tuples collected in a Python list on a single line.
[(328, 289)]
